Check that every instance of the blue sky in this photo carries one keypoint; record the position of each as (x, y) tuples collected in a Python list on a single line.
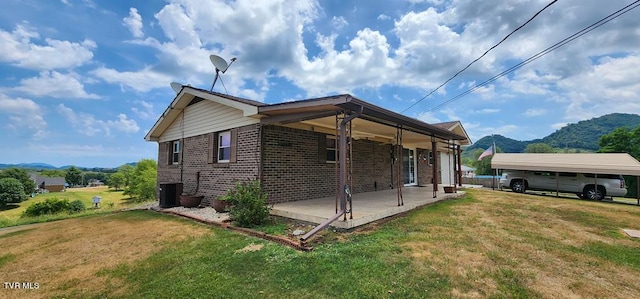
[(84, 80)]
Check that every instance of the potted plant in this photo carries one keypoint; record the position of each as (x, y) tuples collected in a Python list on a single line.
[(220, 204)]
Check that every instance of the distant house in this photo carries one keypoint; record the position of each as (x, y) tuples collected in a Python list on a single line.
[(48, 184), (468, 172), (95, 183)]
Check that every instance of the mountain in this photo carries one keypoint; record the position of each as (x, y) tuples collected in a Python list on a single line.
[(583, 135), (43, 166), (506, 144), (29, 166), (586, 134)]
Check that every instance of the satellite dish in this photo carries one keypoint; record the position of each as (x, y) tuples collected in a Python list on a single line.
[(221, 65), (176, 86)]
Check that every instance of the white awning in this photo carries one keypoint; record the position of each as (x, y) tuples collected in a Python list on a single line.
[(602, 163)]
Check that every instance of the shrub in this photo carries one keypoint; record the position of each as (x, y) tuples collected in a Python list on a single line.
[(248, 204), (76, 206), (49, 206)]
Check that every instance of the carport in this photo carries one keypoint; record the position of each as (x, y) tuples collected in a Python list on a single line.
[(596, 163)]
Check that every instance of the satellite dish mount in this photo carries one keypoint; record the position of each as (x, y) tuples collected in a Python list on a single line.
[(221, 66)]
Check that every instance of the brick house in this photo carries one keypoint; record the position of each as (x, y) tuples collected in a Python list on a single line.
[(207, 141)]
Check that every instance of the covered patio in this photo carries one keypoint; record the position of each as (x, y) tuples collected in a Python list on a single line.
[(350, 119), (367, 207)]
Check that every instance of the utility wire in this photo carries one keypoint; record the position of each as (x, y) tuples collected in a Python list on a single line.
[(546, 51), (483, 54)]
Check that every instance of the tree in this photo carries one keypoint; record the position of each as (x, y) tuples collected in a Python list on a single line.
[(11, 191), (28, 185), (127, 170), (142, 184), (623, 140), (117, 180), (483, 167), (73, 176), (92, 175), (539, 148)]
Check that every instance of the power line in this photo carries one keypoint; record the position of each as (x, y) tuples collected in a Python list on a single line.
[(546, 51), (483, 54)]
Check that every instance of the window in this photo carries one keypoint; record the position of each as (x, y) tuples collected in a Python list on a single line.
[(175, 152), (224, 146), (332, 148), (430, 158)]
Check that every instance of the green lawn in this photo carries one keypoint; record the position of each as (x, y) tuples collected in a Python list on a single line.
[(111, 201), (489, 244)]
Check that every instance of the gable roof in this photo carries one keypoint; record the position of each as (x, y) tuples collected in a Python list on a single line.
[(455, 126), (189, 94), (49, 181), (297, 111), (601, 163)]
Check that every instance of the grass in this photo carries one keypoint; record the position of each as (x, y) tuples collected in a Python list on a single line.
[(111, 201), (489, 244)]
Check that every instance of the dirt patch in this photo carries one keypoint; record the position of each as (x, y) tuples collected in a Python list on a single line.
[(250, 248), (68, 255)]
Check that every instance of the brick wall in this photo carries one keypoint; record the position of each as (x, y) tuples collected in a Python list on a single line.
[(425, 171), (292, 170), (215, 178)]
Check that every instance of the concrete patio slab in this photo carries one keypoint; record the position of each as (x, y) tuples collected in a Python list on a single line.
[(367, 207)]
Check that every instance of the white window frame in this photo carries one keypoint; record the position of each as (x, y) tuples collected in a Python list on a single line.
[(220, 146), (335, 149), (175, 152)]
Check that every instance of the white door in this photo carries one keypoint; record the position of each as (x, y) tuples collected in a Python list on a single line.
[(409, 166), (446, 165)]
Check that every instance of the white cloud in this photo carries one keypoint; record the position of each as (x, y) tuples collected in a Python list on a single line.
[(87, 124), (143, 80), (123, 124), (450, 113), (535, 112), (339, 22), (365, 63), (383, 17), (56, 85), (486, 111), (134, 23), (609, 86), (17, 48), (145, 111), (178, 26), (429, 117), (23, 113)]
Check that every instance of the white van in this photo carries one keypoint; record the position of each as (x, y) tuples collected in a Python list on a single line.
[(582, 184)]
